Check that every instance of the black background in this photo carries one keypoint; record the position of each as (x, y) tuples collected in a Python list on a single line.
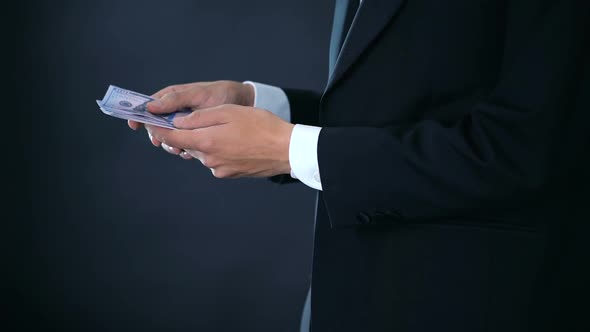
[(116, 235)]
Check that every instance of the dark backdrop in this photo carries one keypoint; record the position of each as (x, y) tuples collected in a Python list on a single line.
[(117, 235)]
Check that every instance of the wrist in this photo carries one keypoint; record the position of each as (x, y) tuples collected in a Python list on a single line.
[(285, 142)]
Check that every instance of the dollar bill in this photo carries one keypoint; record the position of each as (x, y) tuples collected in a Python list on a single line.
[(130, 105)]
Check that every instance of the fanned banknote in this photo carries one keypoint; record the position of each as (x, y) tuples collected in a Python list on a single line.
[(130, 105)]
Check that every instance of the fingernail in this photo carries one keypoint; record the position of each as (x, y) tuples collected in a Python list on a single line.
[(155, 104), (166, 146), (178, 121), (152, 140)]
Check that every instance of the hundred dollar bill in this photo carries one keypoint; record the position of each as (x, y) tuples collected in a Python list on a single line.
[(130, 105), (136, 117)]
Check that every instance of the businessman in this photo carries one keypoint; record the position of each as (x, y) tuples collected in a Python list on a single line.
[(449, 150)]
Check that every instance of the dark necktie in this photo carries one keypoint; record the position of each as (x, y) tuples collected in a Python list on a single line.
[(343, 15)]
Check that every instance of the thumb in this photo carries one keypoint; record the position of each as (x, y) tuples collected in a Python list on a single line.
[(175, 101), (202, 118)]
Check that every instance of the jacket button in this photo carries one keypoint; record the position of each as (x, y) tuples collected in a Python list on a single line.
[(363, 218)]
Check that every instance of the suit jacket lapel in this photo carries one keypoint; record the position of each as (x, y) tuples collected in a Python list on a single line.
[(371, 18)]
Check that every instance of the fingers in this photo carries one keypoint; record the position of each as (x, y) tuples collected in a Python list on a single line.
[(134, 125), (154, 141), (195, 154), (207, 160), (177, 152), (180, 139), (185, 155), (171, 88), (176, 100), (203, 118), (170, 149)]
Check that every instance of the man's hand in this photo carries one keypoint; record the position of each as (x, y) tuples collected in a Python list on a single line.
[(231, 140), (196, 96)]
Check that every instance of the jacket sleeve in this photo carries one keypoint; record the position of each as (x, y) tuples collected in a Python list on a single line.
[(304, 105), (501, 153)]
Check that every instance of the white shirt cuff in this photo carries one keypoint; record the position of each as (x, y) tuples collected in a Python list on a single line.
[(272, 99), (303, 155)]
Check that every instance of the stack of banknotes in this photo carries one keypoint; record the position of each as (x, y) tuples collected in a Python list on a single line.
[(130, 105)]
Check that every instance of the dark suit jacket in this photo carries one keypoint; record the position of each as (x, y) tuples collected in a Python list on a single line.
[(454, 163)]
